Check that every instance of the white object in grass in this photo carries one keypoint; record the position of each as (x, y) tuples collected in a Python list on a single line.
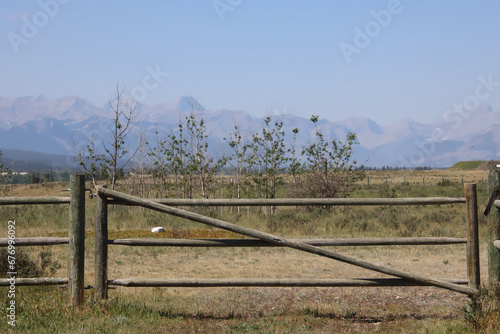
[(157, 229)]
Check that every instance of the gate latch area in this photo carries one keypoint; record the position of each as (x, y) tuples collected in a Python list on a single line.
[(493, 197)]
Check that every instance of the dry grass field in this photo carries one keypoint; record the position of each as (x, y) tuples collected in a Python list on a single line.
[(429, 177), (262, 309)]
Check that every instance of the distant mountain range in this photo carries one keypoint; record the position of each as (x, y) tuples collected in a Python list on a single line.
[(37, 130)]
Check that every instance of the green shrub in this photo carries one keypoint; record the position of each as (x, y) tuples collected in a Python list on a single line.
[(26, 267), (445, 183), (483, 311)]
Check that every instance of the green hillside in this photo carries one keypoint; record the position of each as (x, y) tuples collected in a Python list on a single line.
[(475, 165), (467, 165)]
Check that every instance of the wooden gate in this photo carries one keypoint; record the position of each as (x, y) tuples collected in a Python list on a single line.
[(260, 239)]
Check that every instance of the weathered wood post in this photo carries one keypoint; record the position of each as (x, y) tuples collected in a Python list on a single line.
[(101, 247), (493, 230), (472, 220), (76, 233)]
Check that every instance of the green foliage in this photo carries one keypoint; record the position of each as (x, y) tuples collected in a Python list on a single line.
[(182, 160), (48, 265), (4, 176), (445, 183), (328, 170), (185, 155), (267, 159), (289, 222), (237, 161), (483, 310), (91, 160), (295, 165), (199, 159), (26, 267)]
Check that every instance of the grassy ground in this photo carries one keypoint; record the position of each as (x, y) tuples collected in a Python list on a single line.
[(261, 310)]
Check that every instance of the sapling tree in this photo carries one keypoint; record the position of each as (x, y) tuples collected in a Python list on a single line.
[(89, 158), (329, 167), (268, 158), (184, 153), (117, 156), (107, 151), (138, 181), (158, 166), (295, 165), (176, 145), (236, 160), (4, 175), (199, 158)]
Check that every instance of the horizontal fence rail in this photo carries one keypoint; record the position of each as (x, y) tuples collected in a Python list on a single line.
[(35, 241), (312, 242), (245, 282), (33, 200), (300, 201), (35, 281)]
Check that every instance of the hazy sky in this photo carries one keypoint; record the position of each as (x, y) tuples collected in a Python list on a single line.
[(385, 60)]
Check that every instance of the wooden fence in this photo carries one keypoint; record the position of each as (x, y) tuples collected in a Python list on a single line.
[(76, 240), (494, 227), (105, 197), (261, 239)]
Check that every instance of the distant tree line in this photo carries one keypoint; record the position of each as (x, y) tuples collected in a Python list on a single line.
[(35, 177), (391, 168)]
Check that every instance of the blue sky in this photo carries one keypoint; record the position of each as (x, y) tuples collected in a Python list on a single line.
[(412, 58)]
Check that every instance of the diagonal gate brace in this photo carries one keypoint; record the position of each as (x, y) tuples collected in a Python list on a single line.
[(282, 241)]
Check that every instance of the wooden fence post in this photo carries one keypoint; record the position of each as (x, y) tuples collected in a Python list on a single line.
[(101, 247), (76, 233), (472, 236), (493, 230)]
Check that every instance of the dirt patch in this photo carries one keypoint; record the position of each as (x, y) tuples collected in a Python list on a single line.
[(487, 165)]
